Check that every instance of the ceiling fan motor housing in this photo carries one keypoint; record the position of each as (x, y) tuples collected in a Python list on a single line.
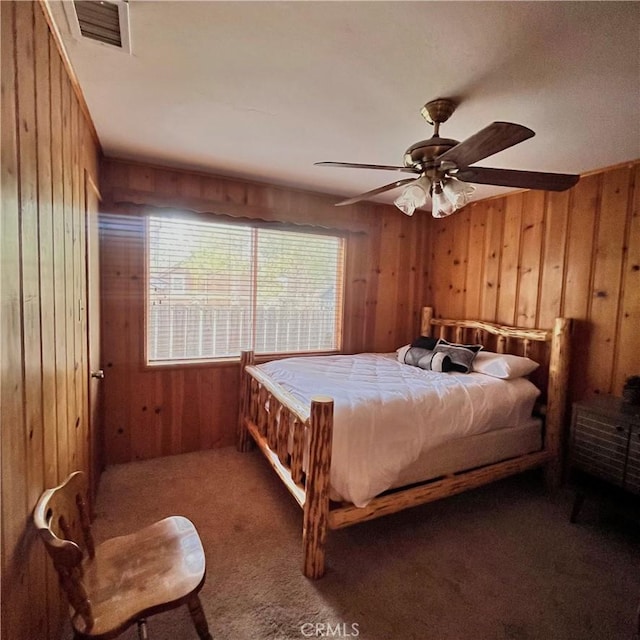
[(420, 156)]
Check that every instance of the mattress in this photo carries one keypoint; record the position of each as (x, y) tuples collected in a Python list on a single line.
[(388, 415), (473, 451)]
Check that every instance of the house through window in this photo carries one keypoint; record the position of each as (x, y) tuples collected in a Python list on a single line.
[(214, 289)]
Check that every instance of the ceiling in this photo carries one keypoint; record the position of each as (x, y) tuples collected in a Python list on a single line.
[(262, 90)]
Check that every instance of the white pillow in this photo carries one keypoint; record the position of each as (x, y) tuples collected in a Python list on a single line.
[(402, 352), (503, 365)]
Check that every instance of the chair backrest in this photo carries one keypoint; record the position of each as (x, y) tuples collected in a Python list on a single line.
[(62, 519)]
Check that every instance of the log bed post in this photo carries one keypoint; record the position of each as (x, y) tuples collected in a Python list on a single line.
[(243, 439), (316, 505), (425, 324), (557, 400)]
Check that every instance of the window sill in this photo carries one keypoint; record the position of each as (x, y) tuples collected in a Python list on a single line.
[(190, 364), (229, 362)]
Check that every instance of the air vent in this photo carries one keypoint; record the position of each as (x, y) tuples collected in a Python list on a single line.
[(101, 21)]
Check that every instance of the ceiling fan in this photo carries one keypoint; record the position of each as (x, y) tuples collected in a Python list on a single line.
[(443, 166)]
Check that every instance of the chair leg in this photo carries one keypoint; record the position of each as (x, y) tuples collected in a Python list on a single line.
[(199, 619), (142, 629)]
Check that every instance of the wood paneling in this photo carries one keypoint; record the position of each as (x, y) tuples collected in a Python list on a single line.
[(510, 259), (573, 254), (475, 264), (524, 258), (46, 146), (553, 250), (492, 260), (609, 248), (581, 228), (164, 411), (627, 358), (532, 232)]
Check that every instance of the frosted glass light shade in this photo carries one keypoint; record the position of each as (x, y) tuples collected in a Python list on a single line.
[(413, 196), (449, 196), (458, 193), (441, 206)]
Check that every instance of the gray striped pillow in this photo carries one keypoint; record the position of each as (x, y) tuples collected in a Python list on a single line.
[(450, 356)]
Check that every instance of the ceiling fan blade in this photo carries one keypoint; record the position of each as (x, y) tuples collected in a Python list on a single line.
[(355, 165), (519, 179), (375, 192), (496, 137)]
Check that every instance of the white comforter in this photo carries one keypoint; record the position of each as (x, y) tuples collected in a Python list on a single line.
[(387, 413)]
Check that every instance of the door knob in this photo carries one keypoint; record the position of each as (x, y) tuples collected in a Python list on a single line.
[(98, 374)]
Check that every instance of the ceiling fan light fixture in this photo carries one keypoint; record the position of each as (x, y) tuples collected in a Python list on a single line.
[(449, 196), (441, 206), (413, 196), (457, 192), (450, 165)]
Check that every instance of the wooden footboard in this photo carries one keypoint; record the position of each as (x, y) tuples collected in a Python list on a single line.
[(295, 438), (290, 434)]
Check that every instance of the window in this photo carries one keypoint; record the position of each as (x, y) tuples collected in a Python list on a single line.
[(214, 289)]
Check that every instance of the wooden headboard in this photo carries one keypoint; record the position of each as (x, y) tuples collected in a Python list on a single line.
[(550, 347), (533, 343)]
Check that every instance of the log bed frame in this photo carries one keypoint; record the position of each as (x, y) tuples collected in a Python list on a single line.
[(274, 418)]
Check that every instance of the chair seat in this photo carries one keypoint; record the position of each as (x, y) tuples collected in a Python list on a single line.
[(140, 574)]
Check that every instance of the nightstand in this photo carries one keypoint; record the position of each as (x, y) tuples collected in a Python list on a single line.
[(605, 444)]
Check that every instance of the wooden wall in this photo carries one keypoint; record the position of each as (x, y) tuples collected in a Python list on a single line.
[(529, 257), (165, 411), (47, 144), (520, 259)]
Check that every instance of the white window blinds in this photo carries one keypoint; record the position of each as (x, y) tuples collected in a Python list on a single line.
[(214, 289)]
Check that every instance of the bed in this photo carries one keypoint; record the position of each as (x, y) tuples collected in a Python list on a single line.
[(322, 423)]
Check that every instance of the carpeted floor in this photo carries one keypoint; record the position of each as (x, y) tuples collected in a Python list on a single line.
[(501, 562)]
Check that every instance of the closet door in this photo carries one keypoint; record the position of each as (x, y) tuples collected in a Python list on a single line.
[(96, 374)]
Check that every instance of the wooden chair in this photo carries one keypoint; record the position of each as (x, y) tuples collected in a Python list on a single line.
[(125, 579)]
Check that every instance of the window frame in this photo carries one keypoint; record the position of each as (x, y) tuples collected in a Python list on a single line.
[(231, 361)]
